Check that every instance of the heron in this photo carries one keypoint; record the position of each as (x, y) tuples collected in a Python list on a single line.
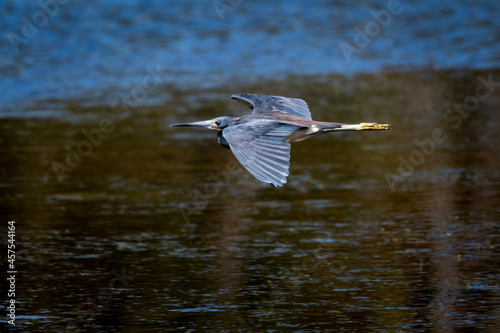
[(261, 140)]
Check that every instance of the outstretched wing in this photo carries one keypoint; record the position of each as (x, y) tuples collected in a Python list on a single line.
[(265, 104), (261, 147)]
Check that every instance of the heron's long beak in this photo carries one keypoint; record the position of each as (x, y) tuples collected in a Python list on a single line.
[(204, 124)]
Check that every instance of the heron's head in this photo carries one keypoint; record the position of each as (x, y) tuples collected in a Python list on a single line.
[(218, 123)]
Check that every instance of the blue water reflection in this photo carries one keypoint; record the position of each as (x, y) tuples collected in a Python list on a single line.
[(89, 48)]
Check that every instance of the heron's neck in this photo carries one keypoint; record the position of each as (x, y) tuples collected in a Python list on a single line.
[(234, 121)]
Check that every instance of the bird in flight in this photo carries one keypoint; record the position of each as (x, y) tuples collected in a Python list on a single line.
[(261, 140)]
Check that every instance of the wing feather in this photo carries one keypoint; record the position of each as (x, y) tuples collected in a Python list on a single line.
[(266, 103), (261, 147)]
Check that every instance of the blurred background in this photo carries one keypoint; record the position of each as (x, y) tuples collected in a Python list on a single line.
[(124, 224)]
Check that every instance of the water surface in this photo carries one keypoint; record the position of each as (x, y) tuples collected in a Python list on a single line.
[(159, 229)]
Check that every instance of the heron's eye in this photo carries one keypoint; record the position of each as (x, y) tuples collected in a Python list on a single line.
[(216, 123)]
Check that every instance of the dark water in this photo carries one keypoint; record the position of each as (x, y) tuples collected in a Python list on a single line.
[(154, 229)]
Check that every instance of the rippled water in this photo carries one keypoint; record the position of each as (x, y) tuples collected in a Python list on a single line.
[(158, 229), (88, 50)]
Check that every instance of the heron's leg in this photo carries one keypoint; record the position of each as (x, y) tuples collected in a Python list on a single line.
[(306, 132), (359, 127)]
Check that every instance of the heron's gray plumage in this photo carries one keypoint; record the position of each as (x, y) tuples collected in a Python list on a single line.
[(261, 140), (261, 147), (261, 104)]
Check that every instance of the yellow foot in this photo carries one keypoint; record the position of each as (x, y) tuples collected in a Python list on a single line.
[(374, 126)]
